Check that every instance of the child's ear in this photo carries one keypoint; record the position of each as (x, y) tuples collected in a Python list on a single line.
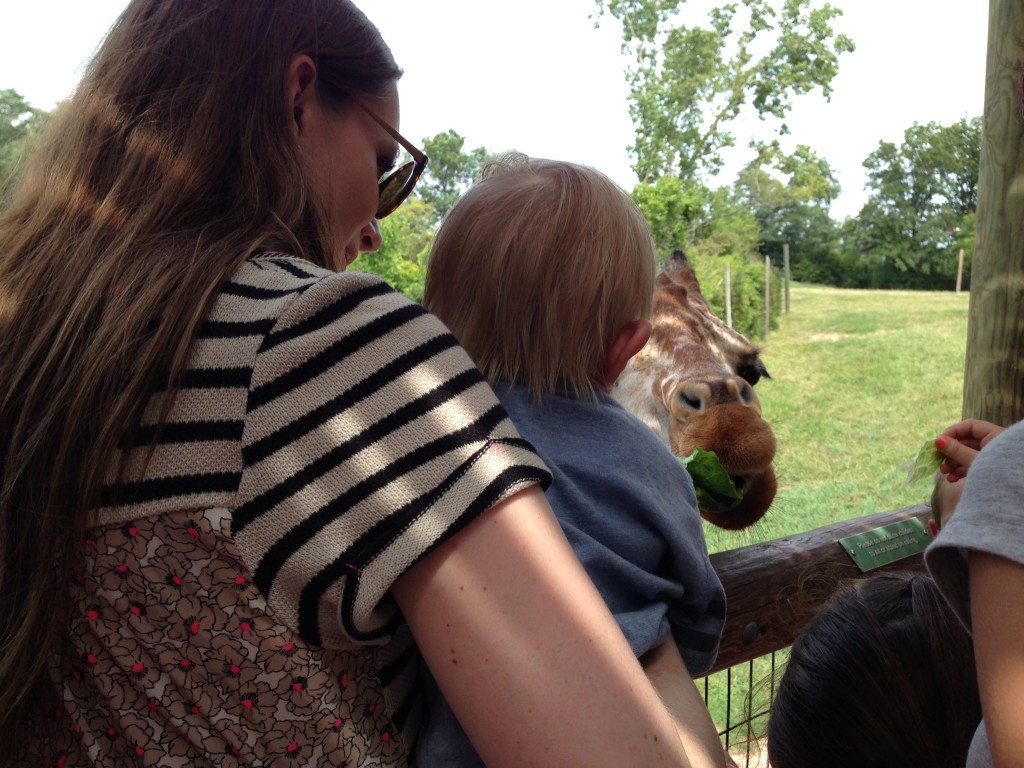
[(627, 342)]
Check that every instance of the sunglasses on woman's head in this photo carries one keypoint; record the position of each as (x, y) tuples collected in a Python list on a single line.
[(393, 189)]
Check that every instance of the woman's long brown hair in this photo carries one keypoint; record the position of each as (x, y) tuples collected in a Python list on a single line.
[(172, 162)]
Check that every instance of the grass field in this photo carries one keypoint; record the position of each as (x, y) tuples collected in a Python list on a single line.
[(860, 379)]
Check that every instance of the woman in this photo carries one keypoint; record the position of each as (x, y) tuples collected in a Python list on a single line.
[(227, 466)]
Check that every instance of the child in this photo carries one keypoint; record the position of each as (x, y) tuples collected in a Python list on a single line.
[(978, 563), (945, 496), (544, 272), (883, 675)]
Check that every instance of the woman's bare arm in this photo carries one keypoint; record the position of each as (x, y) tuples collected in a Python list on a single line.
[(525, 650), (667, 672)]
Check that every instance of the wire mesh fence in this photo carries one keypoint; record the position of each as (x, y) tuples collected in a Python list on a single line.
[(739, 699)]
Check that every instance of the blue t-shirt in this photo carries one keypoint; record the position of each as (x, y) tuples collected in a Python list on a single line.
[(628, 508)]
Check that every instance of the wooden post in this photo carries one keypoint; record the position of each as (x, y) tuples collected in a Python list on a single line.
[(728, 295), (785, 272), (960, 271), (994, 368), (767, 295)]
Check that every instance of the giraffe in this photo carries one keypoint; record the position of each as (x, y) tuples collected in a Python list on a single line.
[(693, 385)]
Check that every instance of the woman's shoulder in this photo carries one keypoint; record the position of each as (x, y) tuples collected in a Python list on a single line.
[(272, 290), (290, 273)]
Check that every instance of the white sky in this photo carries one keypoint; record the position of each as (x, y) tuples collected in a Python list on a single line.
[(535, 75)]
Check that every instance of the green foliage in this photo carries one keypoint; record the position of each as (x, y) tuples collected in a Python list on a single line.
[(715, 489), (775, 180), (673, 208), (921, 208), (746, 277), (729, 235), (813, 238), (19, 122), (449, 171), (688, 83), (401, 260), (790, 196), (714, 229)]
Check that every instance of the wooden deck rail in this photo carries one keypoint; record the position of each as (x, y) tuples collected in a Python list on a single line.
[(773, 588)]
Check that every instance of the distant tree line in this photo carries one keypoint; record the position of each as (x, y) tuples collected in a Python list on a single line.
[(19, 124), (691, 81)]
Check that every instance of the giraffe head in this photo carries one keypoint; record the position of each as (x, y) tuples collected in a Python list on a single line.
[(693, 384)]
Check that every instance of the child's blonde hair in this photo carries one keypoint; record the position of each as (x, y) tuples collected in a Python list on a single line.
[(537, 268)]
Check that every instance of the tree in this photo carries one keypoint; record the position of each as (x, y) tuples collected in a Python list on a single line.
[(728, 234), (689, 83), (18, 123), (714, 228), (405, 243), (674, 209), (790, 196), (449, 171), (921, 206)]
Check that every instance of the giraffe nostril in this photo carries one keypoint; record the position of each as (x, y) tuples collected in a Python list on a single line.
[(692, 396), (746, 394), (690, 402)]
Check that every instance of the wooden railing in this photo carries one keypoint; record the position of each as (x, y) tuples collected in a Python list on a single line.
[(772, 589)]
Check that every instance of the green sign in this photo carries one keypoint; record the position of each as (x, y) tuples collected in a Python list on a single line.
[(881, 546)]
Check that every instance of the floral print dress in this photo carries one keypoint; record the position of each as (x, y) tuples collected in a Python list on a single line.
[(177, 650)]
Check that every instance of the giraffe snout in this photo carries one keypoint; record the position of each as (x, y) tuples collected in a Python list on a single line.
[(695, 396)]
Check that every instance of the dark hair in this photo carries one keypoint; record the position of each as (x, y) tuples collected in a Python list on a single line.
[(882, 676), (172, 162)]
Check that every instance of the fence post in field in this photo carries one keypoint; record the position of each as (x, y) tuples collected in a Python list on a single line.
[(767, 295), (960, 271), (785, 273), (728, 295), (993, 374)]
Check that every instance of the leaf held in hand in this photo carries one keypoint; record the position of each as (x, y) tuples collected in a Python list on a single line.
[(716, 492), (924, 464)]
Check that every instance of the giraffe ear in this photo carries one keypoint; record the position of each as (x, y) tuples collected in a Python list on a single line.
[(627, 342)]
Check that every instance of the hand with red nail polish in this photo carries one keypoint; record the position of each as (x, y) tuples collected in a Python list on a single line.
[(961, 443)]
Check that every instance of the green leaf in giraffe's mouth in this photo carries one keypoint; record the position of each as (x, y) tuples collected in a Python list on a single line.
[(716, 491)]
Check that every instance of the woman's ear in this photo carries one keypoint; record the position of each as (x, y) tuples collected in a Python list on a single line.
[(627, 342), (300, 89)]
